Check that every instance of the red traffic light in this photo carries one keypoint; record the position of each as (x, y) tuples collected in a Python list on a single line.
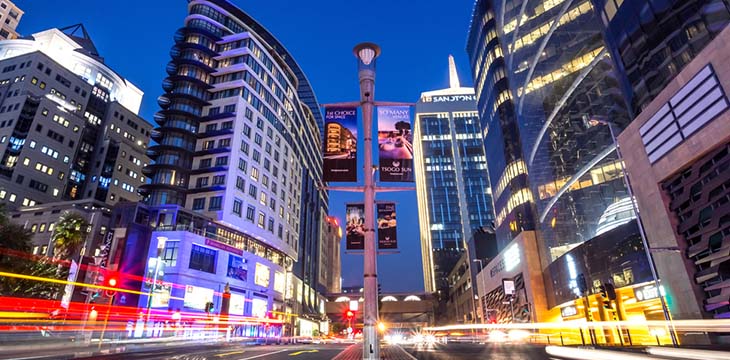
[(349, 314), (112, 282)]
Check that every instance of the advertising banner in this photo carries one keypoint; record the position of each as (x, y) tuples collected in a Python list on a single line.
[(355, 228), (340, 144), (237, 268), (387, 238), (196, 297), (395, 143), (262, 275)]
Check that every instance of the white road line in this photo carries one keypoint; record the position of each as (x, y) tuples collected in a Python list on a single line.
[(262, 355), (406, 352)]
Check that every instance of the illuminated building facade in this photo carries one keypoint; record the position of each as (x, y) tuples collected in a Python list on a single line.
[(452, 184), (547, 61), (339, 139), (69, 128), (239, 142), (676, 147)]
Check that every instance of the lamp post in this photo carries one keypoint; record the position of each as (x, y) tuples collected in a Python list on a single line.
[(366, 54), (647, 250), (484, 286)]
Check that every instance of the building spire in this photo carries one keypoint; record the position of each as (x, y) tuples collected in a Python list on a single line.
[(453, 76)]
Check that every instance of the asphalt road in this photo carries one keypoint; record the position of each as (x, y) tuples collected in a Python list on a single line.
[(221, 352), (457, 351)]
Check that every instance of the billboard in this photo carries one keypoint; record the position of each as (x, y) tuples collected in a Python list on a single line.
[(387, 238), (395, 143), (237, 268), (237, 304), (340, 144), (355, 226)]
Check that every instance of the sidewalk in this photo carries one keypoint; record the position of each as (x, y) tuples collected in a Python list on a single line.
[(387, 352)]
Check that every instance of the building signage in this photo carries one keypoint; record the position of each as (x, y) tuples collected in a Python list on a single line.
[(222, 246), (648, 292), (259, 307), (279, 282), (355, 226), (161, 296), (509, 261), (395, 143), (387, 234), (568, 311), (508, 286), (340, 144), (449, 98)]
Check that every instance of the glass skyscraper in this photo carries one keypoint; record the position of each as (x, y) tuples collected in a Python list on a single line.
[(548, 60), (454, 197)]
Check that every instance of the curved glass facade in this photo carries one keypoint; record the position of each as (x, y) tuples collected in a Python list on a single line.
[(653, 40), (560, 79), (511, 195)]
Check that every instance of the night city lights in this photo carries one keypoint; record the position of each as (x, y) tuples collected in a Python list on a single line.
[(472, 179)]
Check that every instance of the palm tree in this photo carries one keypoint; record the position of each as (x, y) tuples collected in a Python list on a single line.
[(69, 235)]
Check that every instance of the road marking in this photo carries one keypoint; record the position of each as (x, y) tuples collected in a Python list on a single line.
[(230, 353), (406, 352), (303, 351), (262, 355)]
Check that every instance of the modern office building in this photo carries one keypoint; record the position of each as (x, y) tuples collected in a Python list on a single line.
[(676, 147), (330, 263), (560, 78), (238, 143), (511, 193), (69, 128), (653, 41), (452, 184), (10, 15)]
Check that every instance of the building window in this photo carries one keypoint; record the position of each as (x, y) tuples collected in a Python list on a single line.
[(221, 161), (240, 183), (219, 179), (215, 203), (169, 254), (229, 108), (261, 220), (250, 211), (271, 225), (199, 204), (202, 259), (237, 205), (252, 190)]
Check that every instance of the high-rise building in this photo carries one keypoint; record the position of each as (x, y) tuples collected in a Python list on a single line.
[(69, 128), (545, 82), (238, 144), (330, 265), (653, 41), (10, 15), (454, 197), (673, 57)]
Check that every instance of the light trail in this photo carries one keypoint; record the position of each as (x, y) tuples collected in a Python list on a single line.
[(709, 325)]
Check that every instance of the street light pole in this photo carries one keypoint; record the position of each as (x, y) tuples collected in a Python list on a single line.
[(484, 285), (647, 250), (366, 54)]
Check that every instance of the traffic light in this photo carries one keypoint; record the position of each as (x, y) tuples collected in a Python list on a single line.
[(209, 307), (602, 289), (349, 314), (110, 281)]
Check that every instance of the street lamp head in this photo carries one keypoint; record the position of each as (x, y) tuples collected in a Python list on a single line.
[(366, 52)]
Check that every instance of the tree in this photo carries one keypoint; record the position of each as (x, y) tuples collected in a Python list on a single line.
[(69, 235), (15, 257)]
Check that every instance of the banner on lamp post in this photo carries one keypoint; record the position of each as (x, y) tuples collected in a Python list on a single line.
[(387, 234), (340, 144), (355, 226), (395, 143)]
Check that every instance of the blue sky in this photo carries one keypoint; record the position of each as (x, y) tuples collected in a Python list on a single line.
[(416, 37)]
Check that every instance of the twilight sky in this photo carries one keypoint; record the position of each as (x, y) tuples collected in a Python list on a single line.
[(416, 37)]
